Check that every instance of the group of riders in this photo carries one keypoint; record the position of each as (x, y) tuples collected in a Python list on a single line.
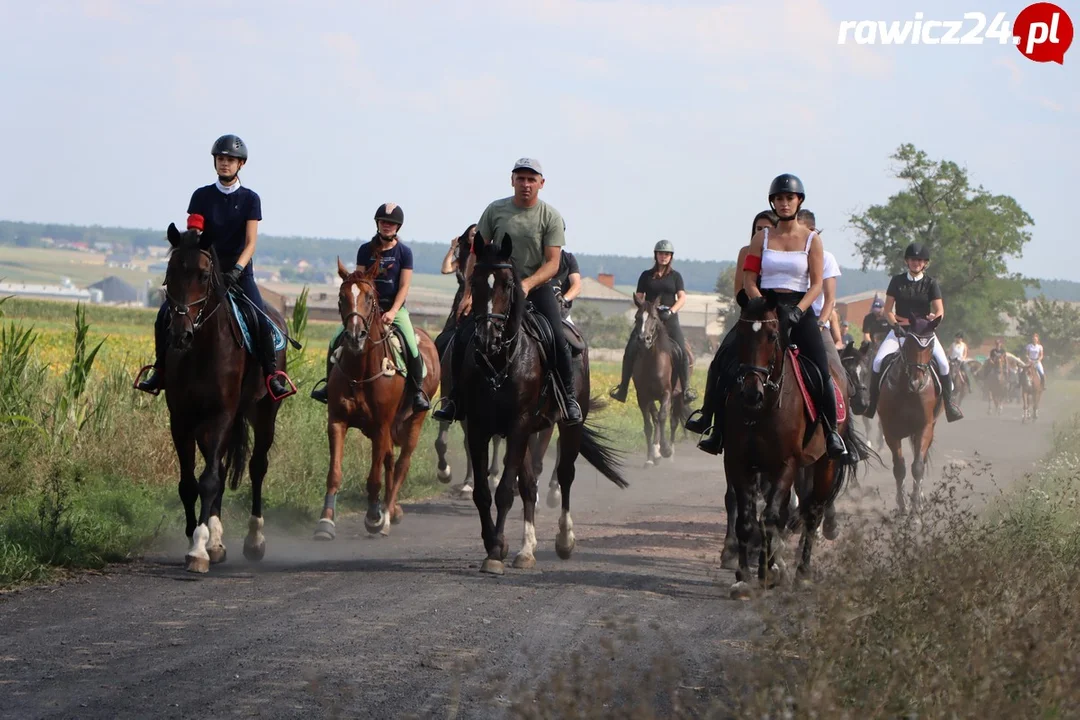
[(785, 255)]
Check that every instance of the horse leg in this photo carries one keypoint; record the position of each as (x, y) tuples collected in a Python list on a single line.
[(375, 517), (744, 530), (387, 488), (493, 475), (401, 471), (188, 486), (470, 474), (661, 425), (554, 498), (444, 473), (729, 557), (215, 546), (646, 407), (335, 433), (513, 465), (478, 449), (777, 499), (569, 447), (265, 419), (899, 471), (920, 448), (813, 509), (527, 489), (212, 447)]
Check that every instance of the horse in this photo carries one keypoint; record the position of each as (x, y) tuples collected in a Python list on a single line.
[(507, 392), (994, 379), (909, 404), (871, 427), (770, 438), (367, 392), (659, 392), (958, 372), (1031, 391), (213, 389)]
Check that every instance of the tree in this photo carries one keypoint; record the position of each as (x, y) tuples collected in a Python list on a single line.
[(970, 232), (1058, 325), (725, 281)]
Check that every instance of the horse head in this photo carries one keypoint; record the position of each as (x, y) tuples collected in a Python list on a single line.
[(192, 279), (761, 358), (358, 304), (497, 295), (647, 323), (856, 362), (917, 351)]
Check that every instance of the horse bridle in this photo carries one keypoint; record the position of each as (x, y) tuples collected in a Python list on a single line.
[(498, 321), (181, 310), (365, 320), (765, 373)]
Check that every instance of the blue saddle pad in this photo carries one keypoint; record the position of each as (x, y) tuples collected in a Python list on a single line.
[(244, 315)]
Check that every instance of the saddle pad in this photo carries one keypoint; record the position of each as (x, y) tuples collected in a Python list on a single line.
[(397, 350), (891, 359), (802, 377), (246, 319)]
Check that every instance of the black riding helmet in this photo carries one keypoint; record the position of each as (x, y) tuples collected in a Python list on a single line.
[(390, 212), (787, 183), (918, 251), (230, 146)]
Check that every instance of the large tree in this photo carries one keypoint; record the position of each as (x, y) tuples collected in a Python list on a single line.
[(970, 233)]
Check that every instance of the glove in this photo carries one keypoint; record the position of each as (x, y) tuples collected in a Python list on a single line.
[(794, 315), (233, 276)]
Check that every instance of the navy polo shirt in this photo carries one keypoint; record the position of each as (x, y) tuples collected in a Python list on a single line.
[(388, 276), (226, 217)]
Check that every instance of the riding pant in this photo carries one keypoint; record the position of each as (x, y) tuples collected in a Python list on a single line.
[(891, 344), (808, 337), (1039, 367), (543, 299)]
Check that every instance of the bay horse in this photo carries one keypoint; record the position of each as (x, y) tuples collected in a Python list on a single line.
[(1030, 391), (909, 404), (213, 390), (367, 392), (994, 377), (508, 393), (769, 438), (659, 391)]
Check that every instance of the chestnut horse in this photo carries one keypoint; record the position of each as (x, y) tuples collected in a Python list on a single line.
[(1031, 391), (213, 389), (658, 389), (769, 439), (507, 392), (368, 393), (909, 404)]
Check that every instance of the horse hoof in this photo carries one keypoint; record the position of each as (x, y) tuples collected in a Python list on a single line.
[(374, 526), (803, 579), (466, 490), (445, 476), (217, 554), (649, 463), (829, 529), (554, 498), (325, 530), (524, 562), (492, 566), (195, 564), (397, 515), (255, 553), (729, 560), (666, 452), (740, 591), (565, 547)]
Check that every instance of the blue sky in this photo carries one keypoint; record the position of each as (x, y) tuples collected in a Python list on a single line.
[(651, 119)]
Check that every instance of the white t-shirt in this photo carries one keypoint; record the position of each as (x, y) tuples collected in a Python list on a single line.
[(959, 350), (1033, 351), (830, 269)]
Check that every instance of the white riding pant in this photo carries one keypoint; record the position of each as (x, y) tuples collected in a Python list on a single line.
[(891, 344), (1039, 367)]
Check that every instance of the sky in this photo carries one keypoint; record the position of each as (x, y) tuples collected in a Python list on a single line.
[(652, 120)]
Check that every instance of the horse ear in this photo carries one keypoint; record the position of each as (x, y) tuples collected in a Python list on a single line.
[(478, 244), (742, 298), (506, 248), (935, 323), (341, 271), (205, 241), (770, 299), (173, 235), (850, 347)]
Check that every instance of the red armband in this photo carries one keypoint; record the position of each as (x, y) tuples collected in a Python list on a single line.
[(752, 263), (195, 222)]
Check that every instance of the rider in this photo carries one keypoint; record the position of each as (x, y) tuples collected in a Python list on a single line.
[(959, 353), (460, 247), (538, 233), (231, 215), (1035, 355), (721, 365), (665, 283), (825, 304), (913, 294), (567, 282), (845, 330), (392, 281), (875, 326)]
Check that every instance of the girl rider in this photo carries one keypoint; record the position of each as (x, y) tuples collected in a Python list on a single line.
[(392, 282), (663, 282), (455, 261), (231, 215), (825, 305), (959, 353), (913, 294), (721, 365)]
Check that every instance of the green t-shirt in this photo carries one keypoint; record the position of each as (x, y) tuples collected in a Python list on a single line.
[(530, 230)]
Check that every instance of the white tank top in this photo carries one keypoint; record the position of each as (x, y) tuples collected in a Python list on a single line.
[(785, 269)]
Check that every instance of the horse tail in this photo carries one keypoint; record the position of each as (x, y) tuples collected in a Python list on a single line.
[(236, 454), (856, 445), (598, 452), (597, 404)]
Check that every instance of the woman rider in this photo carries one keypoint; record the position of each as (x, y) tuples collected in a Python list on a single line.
[(392, 281), (661, 282), (959, 353), (230, 216), (825, 305), (913, 294), (789, 262), (457, 257), (723, 359)]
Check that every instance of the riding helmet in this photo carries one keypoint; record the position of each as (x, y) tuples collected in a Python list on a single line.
[(230, 146), (390, 212), (664, 246), (917, 251), (787, 183)]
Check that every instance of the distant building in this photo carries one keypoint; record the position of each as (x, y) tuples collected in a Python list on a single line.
[(120, 260), (602, 297), (854, 308), (115, 290), (46, 292)]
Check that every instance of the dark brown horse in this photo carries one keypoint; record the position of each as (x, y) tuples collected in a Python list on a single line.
[(506, 392), (659, 391), (909, 404), (367, 392), (1030, 391), (994, 377), (771, 438), (213, 389), (444, 471)]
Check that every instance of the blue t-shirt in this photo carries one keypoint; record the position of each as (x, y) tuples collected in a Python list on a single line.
[(226, 218), (393, 261)]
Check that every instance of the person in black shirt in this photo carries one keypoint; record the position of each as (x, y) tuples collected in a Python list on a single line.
[(665, 284), (567, 282), (913, 294), (874, 326), (230, 216)]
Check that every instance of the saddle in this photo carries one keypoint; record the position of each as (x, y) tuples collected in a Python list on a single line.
[(537, 327), (396, 343), (248, 321), (811, 385)]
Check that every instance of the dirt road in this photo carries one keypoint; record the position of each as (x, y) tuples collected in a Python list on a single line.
[(401, 626)]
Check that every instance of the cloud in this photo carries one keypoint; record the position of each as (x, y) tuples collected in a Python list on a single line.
[(1050, 104)]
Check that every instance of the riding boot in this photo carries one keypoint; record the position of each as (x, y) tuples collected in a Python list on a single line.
[(704, 417), (952, 412), (875, 388), (1043, 378), (416, 379), (565, 373), (689, 395), (156, 380), (322, 394), (834, 444), (713, 442), (275, 380), (449, 410), (629, 355)]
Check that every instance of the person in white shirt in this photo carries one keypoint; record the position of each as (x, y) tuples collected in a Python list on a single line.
[(825, 304), (1035, 356), (959, 353)]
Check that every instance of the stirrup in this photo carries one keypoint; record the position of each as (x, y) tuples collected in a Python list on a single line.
[(696, 414), (446, 406), (138, 379), (288, 381)]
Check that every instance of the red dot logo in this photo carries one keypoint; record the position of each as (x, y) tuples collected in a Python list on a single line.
[(1043, 32)]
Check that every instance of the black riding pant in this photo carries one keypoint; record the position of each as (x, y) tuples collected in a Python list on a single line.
[(543, 299), (807, 336), (721, 374)]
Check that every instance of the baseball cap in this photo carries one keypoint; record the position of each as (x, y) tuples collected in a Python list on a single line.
[(528, 164), (878, 303)]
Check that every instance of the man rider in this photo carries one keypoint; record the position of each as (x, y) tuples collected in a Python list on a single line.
[(538, 234), (875, 326)]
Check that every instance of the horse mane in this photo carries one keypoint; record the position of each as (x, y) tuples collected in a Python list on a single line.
[(191, 241), (663, 339), (756, 308)]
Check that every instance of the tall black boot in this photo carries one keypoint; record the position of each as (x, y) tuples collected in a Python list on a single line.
[(449, 412), (952, 412), (565, 375), (322, 394), (704, 416), (629, 355), (713, 443), (155, 381), (416, 380), (275, 381), (689, 395), (834, 444), (875, 388)]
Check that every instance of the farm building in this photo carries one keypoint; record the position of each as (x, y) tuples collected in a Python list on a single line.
[(115, 290)]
